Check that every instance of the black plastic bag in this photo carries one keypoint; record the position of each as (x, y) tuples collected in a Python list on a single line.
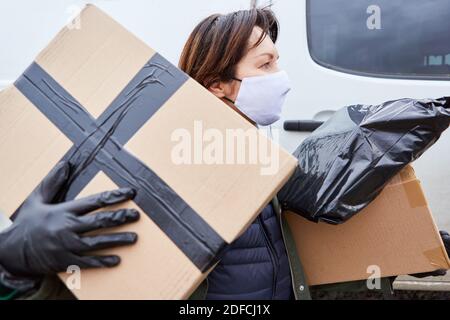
[(346, 163)]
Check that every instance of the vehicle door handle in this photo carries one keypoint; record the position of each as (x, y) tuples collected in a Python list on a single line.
[(302, 125)]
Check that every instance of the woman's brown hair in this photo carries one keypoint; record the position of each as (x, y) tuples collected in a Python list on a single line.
[(219, 42)]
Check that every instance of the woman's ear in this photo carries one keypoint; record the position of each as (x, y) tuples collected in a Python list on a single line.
[(219, 89)]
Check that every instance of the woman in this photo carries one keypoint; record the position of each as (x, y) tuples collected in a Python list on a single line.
[(234, 57)]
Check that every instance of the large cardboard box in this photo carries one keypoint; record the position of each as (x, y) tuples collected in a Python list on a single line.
[(115, 108), (394, 235)]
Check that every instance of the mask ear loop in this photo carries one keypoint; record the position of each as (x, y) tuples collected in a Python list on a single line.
[(270, 132), (228, 99)]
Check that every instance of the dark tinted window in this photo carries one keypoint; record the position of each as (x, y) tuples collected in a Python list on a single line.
[(396, 38)]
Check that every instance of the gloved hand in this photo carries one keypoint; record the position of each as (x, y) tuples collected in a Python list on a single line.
[(46, 237), (446, 239), (442, 272)]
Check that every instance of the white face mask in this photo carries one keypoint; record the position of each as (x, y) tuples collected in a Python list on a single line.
[(261, 98)]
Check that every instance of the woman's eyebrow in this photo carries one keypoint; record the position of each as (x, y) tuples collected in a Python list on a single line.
[(271, 55)]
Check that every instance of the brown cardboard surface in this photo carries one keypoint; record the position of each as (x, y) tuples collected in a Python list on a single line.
[(154, 264), (207, 196), (30, 146), (95, 61), (395, 232), (94, 64)]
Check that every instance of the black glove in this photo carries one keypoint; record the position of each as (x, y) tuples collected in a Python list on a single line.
[(442, 272), (446, 239), (45, 238)]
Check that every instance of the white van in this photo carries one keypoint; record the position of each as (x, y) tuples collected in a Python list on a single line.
[(337, 53), (341, 52)]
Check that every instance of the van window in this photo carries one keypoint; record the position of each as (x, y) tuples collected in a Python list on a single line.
[(387, 38)]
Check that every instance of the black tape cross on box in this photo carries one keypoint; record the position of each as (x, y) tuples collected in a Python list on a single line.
[(98, 146)]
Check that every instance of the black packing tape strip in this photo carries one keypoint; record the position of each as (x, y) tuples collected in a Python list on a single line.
[(98, 145)]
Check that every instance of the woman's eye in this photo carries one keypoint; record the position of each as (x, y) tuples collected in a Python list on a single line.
[(266, 65)]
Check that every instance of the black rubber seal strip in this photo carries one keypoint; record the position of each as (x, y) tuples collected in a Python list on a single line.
[(98, 146)]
